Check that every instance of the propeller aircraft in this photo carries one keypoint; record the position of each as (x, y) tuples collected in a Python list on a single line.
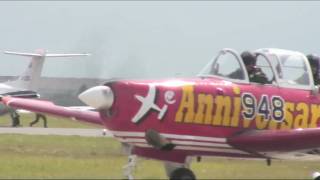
[(214, 114)]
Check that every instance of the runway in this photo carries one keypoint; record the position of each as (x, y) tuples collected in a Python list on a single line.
[(55, 131)]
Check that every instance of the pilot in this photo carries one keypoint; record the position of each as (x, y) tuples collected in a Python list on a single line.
[(314, 61), (255, 74)]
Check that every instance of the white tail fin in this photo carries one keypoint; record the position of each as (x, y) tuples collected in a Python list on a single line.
[(30, 77)]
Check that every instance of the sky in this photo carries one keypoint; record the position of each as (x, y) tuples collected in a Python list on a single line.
[(155, 39)]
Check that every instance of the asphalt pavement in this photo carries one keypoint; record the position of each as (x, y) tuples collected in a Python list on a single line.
[(56, 131)]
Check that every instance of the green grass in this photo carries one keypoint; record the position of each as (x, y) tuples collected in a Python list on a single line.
[(53, 122), (31, 156)]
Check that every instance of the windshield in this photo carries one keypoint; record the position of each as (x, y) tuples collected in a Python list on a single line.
[(292, 68), (226, 65), (265, 66), (279, 67)]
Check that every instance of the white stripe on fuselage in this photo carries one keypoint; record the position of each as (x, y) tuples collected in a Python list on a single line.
[(173, 136), (182, 142), (193, 148), (219, 150), (177, 142)]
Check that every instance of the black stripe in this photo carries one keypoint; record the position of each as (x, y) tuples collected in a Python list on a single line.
[(22, 94)]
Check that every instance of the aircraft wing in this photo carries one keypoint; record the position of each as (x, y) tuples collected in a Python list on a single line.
[(47, 107), (282, 141)]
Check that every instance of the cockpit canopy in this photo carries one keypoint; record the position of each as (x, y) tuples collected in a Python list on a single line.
[(281, 67)]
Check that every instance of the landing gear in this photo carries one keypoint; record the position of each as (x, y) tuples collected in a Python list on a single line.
[(182, 174), (128, 169), (179, 171), (316, 176), (268, 161)]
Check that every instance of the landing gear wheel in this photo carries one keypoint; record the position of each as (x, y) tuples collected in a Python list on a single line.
[(182, 174), (316, 176)]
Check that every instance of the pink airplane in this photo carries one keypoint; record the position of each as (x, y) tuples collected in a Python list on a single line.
[(175, 120)]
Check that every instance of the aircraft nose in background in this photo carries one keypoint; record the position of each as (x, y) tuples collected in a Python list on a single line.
[(99, 97)]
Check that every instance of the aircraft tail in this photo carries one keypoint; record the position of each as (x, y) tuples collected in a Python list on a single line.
[(30, 77)]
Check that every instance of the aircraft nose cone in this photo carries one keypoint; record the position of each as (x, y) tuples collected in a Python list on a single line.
[(99, 97)]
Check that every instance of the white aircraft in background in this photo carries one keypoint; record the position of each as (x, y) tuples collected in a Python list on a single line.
[(26, 84)]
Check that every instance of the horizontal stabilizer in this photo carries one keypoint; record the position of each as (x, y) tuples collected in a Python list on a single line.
[(44, 54), (22, 94)]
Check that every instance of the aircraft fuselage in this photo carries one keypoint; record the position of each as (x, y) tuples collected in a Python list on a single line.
[(208, 108), (212, 103)]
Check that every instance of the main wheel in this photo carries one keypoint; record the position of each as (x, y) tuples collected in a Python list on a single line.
[(182, 174), (316, 176)]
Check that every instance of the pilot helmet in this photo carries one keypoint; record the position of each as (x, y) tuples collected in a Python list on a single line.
[(313, 60), (248, 58)]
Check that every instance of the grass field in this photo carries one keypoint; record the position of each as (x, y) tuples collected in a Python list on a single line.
[(48, 157), (31, 156)]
